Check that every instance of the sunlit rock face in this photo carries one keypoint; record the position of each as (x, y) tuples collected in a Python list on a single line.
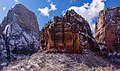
[(20, 31), (107, 29), (69, 33)]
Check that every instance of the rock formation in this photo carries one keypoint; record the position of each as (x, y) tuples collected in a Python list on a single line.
[(19, 32), (107, 30), (69, 33), (20, 36), (42, 61), (2, 49)]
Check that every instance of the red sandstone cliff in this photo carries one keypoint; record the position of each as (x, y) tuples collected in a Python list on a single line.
[(107, 29), (70, 33)]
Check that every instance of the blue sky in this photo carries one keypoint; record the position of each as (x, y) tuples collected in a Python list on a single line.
[(47, 9)]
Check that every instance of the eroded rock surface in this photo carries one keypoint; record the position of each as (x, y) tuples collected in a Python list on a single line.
[(107, 30), (69, 33), (19, 32), (42, 61)]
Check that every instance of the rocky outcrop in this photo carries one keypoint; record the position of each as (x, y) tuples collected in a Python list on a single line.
[(3, 51), (24, 18), (42, 61), (20, 32), (70, 33), (107, 29)]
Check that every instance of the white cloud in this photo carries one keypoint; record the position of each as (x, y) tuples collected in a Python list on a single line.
[(4, 8), (53, 7), (63, 12), (45, 11), (90, 10), (16, 1), (49, 0)]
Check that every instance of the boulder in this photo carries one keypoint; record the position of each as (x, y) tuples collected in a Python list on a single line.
[(69, 33)]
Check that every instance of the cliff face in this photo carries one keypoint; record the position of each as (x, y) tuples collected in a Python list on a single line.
[(24, 18), (70, 33), (2, 49), (20, 32), (20, 36), (107, 29)]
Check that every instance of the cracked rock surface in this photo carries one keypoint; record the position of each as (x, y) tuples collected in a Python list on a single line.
[(19, 34)]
